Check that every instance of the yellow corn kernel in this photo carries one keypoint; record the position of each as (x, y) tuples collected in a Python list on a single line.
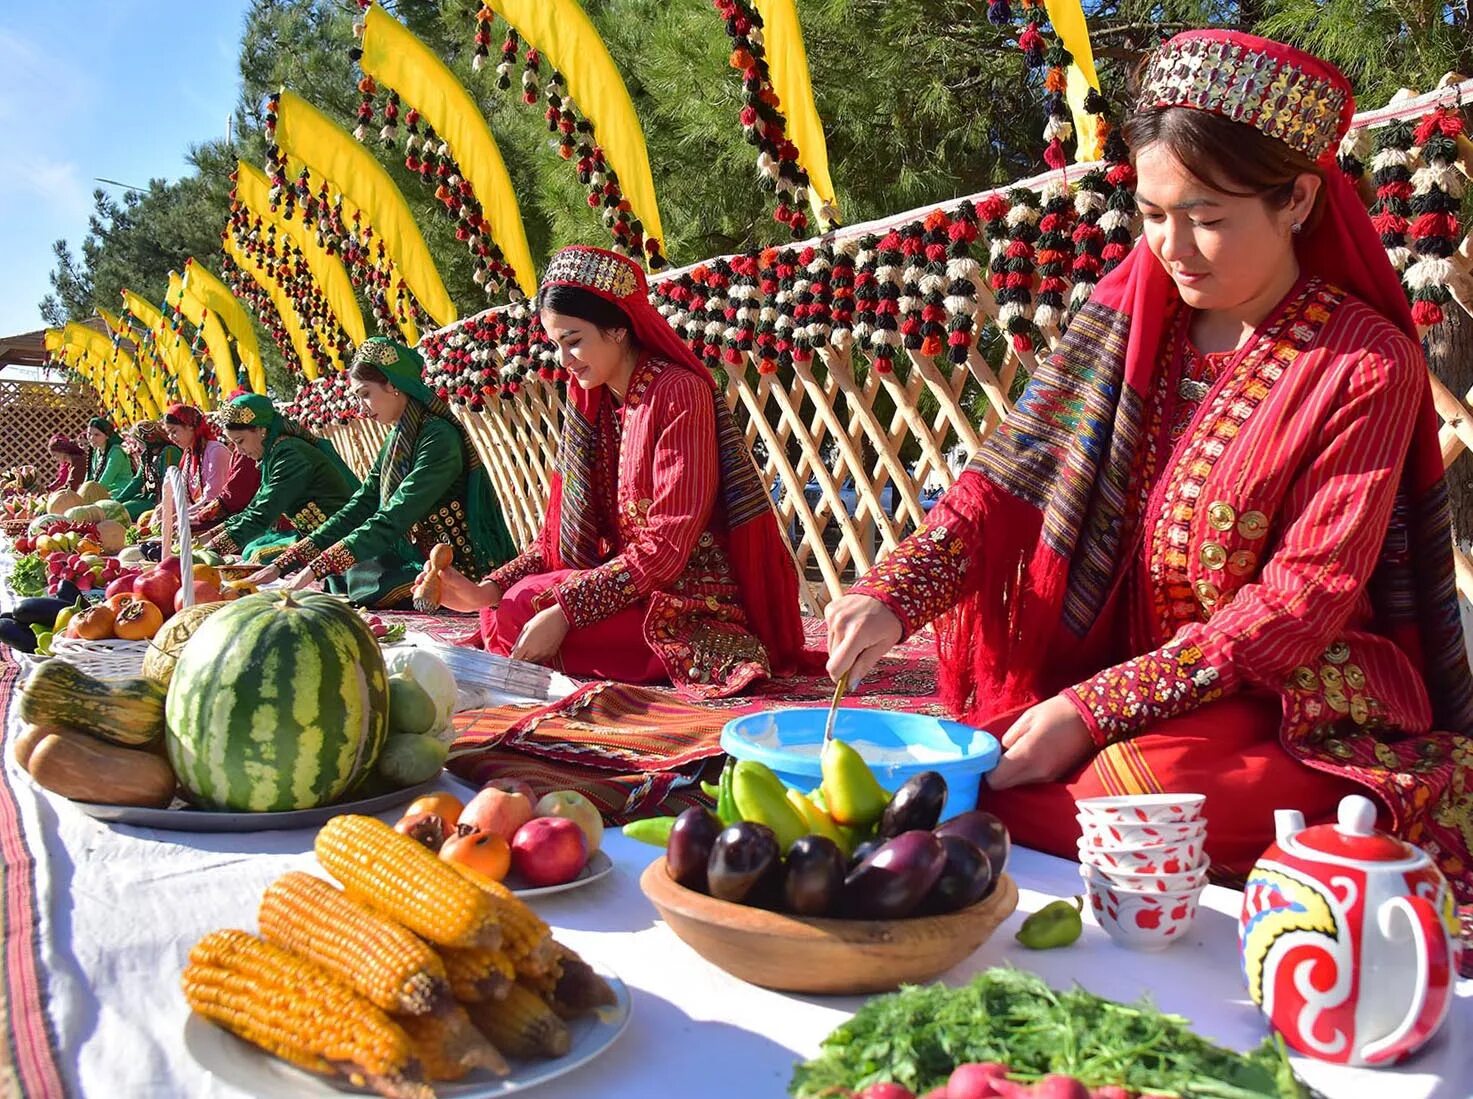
[(298, 1011), (525, 938), (521, 1025), (407, 882), (477, 975), (449, 1046), (376, 956)]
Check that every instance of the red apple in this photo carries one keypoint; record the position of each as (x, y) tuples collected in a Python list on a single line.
[(548, 851), (576, 808), (494, 810), (158, 586)]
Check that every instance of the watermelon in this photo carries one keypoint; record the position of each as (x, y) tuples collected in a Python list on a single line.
[(278, 702)]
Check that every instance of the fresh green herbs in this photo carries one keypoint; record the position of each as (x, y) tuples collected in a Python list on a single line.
[(918, 1035), (28, 577)]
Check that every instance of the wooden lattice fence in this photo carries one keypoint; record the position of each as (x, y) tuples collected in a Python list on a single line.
[(855, 455), (31, 412)]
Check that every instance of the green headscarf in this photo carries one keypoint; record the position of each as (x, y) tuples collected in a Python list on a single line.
[(254, 410), (404, 368), (97, 459)]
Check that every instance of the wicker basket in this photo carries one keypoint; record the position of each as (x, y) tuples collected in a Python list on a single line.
[(14, 528), (115, 659)]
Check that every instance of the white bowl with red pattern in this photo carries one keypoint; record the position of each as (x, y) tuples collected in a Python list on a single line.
[(1153, 858), (1142, 921), (1192, 877), (1144, 808), (1100, 832)]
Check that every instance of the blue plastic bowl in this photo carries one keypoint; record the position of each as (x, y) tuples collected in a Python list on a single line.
[(895, 745)]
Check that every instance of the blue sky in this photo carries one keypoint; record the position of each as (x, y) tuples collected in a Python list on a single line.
[(88, 88)]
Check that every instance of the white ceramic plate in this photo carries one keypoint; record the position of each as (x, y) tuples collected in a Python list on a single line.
[(597, 866), (254, 1072)]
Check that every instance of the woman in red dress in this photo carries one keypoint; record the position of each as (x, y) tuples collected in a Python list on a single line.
[(72, 470), (1210, 549), (659, 557)]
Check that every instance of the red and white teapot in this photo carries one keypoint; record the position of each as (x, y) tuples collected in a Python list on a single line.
[(1349, 938)]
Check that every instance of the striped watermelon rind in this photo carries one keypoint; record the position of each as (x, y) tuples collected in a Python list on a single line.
[(279, 702)]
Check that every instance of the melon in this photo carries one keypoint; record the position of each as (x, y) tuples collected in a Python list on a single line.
[(434, 676), (42, 523), (62, 500), (115, 511), (84, 513), (278, 702), (111, 536), (168, 643), (92, 493)]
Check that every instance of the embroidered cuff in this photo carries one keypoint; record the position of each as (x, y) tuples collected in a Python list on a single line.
[(212, 511), (301, 553), (223, 543), (527, 563), (333, 561), (921, 579), (1124, 700), (591, 595)]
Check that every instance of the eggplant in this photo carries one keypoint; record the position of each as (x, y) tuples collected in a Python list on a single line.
[(814, 882), (986, 831), (689, 849), (18, 637), (915, 807), (41, 611), (965, 879), (891, 883), (68, 593), (863, 850), (152, 550), (745, 864)]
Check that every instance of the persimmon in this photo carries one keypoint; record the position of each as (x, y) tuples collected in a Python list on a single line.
[(484, 852), (138, 620), (121, 600), (95, 623), (207, 574), (447, 807)]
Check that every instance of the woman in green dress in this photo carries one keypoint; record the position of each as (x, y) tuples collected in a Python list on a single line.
[(108, 463), (155, 454), (427, 486), (303, 481)]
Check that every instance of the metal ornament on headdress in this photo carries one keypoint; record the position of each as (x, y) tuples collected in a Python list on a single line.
[(1304, 110), (238, 415), (377, 351), (602, 271)]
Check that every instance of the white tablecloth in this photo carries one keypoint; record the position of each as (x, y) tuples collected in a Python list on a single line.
[(120, 908)]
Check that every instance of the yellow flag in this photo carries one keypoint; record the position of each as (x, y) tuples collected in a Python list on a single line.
[(202, 285), (295, 330), (307, 136), (787, 62), (216, 341), (393, 56), (1067, 16), (172, 351)]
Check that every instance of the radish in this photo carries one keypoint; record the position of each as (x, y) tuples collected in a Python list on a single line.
[(1113, 1091), (938, 1092), (886, 1090), (979, 1080), (1056, 1086)]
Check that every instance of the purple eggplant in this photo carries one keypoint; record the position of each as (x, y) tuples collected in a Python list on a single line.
[(689, 849), (916, 806), (814, 881), (745, 864), (986, 831), (891, 883), (965, 880)]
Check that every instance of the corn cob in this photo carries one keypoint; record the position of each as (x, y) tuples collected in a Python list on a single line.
[(376, 956), (449, 1046), (525, 939), (478, 975), (521, 1025), (579, 989), (298, 1011), (406, 882)]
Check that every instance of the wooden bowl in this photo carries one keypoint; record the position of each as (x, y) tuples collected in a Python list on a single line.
[(836, 957)]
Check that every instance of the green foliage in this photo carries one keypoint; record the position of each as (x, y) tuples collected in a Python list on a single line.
[(921, 100)]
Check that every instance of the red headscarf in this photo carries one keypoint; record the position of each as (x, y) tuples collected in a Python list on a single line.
[(996, 646), (189, 416), (759, 555)]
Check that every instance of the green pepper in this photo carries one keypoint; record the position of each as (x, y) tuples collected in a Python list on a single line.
[(1057, 923), (726, 810), (761, 798), (651, 830), (711, 790)]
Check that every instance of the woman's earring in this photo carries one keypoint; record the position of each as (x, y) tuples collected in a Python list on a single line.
[(1297, 226)]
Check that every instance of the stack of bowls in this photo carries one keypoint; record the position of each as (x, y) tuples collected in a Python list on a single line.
[(1144, 865)]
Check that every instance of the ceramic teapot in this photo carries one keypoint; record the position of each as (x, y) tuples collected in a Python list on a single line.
[(1349, 938)]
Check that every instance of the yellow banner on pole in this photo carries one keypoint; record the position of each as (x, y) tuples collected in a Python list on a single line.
[(217, 343), (393, 56), (201, 284), (1067, 16), (170, 349), (787, 64), (295, 330), (147, 368), (307, 136)]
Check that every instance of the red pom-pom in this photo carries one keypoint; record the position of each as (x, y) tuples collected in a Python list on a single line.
[(884, 363), (1022, 344), (1426, 313), (931, 346)]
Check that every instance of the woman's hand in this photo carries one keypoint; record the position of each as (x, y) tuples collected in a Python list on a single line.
[(861, 630), (542, 636), (1045, 743), (267, 575), (303, 579), (459, 593)]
